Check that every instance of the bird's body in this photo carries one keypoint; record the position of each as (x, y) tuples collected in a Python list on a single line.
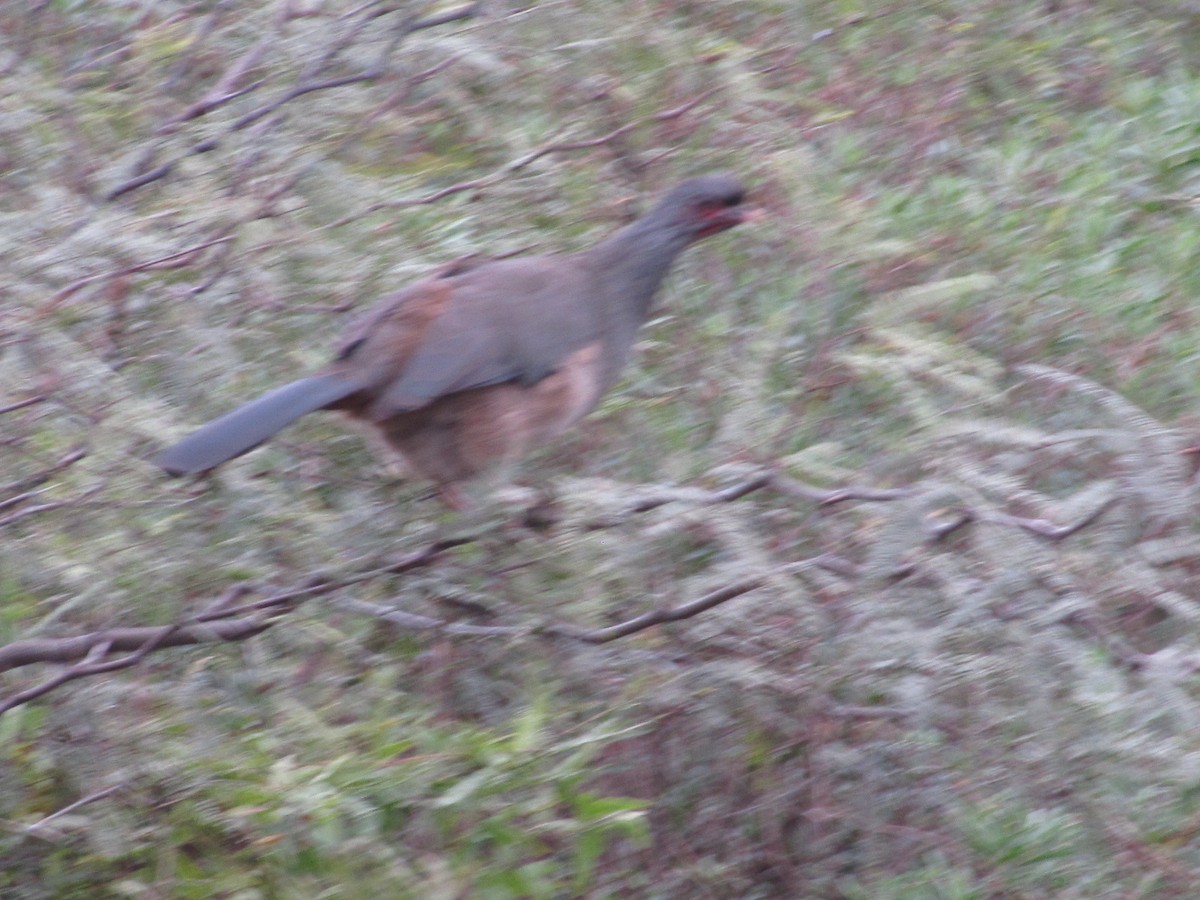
[(482, 361)]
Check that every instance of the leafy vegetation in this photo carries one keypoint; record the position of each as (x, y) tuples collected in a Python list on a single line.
[(972, 304)]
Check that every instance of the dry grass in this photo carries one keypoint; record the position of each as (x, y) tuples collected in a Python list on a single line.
[(976, 291)]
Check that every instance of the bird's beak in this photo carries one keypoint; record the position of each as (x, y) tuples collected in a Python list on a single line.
[(724, 218), (739, 215)]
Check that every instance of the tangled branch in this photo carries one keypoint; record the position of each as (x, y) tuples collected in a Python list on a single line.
[(230, 618), (311, 81)]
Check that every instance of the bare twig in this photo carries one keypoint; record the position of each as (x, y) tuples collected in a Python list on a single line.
[(226, 89), (226, 621), (521, 162), (1044, 527), (18, 499), (87, 666), (830, 562), (309, 82), (123, 640), (414, 622), (31, 481), (830, 496), (655, 616), (451, 15), (177, 260), (230, 621), (939, 528), (21, 404), (93, 663), (144, 178), (723, 495), (47, 507), (78, 804), (221, 621)]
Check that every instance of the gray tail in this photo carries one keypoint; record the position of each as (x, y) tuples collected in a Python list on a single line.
[(248, 426)]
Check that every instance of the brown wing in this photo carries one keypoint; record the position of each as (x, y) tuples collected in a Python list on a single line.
[(463, 328)]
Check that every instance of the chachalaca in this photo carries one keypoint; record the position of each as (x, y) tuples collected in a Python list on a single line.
[(480, 362)]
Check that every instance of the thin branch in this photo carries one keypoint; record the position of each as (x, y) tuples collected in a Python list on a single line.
[(521, 162), (123, 640), (299, 91), (226, 89), (21, 404), (78, 804), (711, 498), (655, 616), (177, 260), (144, 178), (47, 507), (939, 529), (830, 562), (226, 620), (93, 663), (18, 499), (308, 83), (1044, 527), (414, 622), (31, 481), (85, 667), (223, 620), (470, 11), (830, 496)]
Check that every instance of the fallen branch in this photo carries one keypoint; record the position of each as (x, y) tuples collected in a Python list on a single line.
[(414, 622), (124, 640), (226, 89), (691, 496), (47, 507), (21, 404), (722, 495), (31, 481), (937, 530), (177, 260), (655, 616), (221, 621), (1044, 527), (94, 663), (226, 620), (830, 496)]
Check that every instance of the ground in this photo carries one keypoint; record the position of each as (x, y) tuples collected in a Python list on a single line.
[(877, 575)]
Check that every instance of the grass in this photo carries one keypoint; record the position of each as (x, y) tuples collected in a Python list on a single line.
[(977, 279)]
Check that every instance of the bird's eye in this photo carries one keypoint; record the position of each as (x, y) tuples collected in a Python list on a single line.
[(735, 199)]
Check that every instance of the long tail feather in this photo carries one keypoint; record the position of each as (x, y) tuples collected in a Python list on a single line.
[(248, 426)]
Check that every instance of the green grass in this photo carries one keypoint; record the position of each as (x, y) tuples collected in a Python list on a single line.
[(957, 194)]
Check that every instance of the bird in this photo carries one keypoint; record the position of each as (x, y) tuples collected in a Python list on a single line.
[(481, 361)]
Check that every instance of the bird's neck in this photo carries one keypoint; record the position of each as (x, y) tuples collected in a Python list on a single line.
[(637, 259)]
